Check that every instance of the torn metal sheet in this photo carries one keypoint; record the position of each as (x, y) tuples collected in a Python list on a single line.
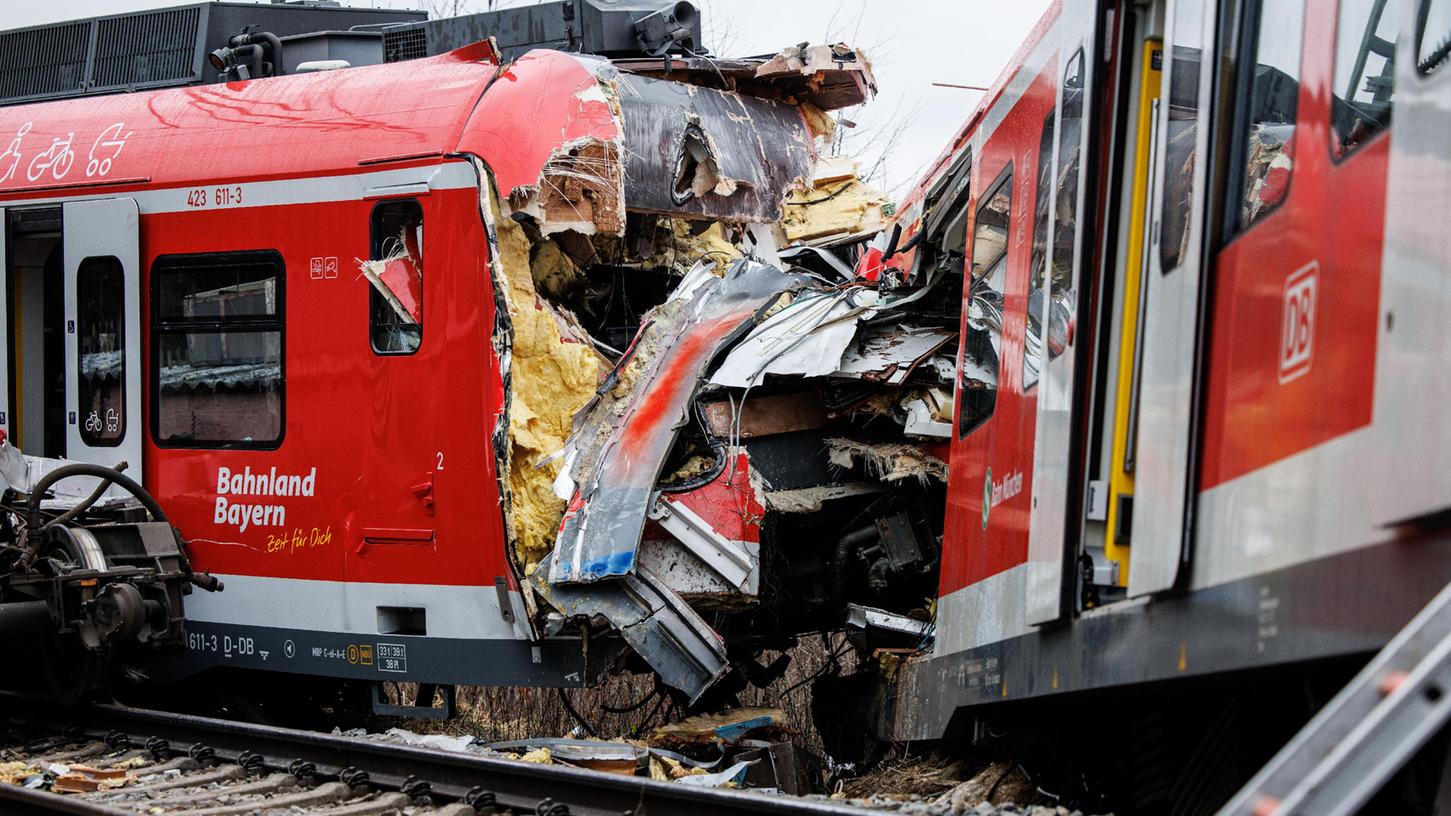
[(601, 530), (732, 777), (890, 352), (808, 338), (598, 755), (878, 627), (703, 153), (655, 621)]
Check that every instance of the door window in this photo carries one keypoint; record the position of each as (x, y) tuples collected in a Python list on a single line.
[(1268, 124), (1033, 330), (982, 346), (101, 334), (1181, 134), (1065, 212)]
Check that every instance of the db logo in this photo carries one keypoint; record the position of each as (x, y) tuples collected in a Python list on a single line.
[(1297, 325)]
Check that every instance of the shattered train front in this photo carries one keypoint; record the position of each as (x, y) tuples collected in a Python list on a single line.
[(721, 430)]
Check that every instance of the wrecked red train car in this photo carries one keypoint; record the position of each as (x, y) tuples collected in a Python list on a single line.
[(366, 335), (1195, 433)]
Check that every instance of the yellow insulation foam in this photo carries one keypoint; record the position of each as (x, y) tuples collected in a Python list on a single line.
[(837, 208), (552, 376)]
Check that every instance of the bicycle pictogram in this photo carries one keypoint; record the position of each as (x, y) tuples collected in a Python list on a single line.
[(58, 159)]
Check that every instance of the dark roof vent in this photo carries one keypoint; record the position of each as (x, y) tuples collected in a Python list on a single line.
[(613, 28)]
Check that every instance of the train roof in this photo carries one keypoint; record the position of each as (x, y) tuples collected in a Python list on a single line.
[(964, 133), (290, 126)]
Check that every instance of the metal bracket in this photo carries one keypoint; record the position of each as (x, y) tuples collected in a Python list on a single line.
[(506, 608)]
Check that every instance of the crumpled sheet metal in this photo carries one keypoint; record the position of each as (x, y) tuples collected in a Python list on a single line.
[(809, 337), (759, 149), (601, 139), (600, 534), (656, 622)]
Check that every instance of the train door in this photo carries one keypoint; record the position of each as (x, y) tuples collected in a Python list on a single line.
[(1166, 390), (403, 460), (1054, 305), (102, 332), (73, 340), (1413, 370)]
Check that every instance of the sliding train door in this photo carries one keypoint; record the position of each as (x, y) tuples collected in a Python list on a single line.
[(102, 308), (1172, 294), (1054, 304)]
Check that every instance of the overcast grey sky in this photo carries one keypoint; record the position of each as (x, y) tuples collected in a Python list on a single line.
[(912, 43)]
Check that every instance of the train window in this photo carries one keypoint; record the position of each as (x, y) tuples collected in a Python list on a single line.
[(395, 297), (217, 350), (100, 341), (1275, 28), (1433, 39), (1177, 198), (1365, 72), (982, 346), (1033, 328), (1061, 301)]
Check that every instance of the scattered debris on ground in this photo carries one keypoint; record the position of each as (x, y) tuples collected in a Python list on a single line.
[(745, 748), (938, 786)]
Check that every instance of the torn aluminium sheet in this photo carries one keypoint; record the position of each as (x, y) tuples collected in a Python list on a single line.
[(600, 535)]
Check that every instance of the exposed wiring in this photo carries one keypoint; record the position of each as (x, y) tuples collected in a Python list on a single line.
[(580, 720)]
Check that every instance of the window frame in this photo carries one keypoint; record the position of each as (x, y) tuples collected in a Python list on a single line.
[(120, 269), (375, 249), (1003, 182), (161, 326)]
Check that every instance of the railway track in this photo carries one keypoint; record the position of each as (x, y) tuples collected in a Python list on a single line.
[(179, 764)]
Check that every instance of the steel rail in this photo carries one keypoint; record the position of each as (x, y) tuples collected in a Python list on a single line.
[(518, 786)]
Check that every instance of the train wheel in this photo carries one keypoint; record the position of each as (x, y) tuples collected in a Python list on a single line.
[(72, 672)]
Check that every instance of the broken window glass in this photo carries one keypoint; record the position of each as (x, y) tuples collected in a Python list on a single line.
[(395, 298), (1033, 329), (100, 334), (217, 346), (1365, 72), (1182, 132), (1274, 93), (982, 344)]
